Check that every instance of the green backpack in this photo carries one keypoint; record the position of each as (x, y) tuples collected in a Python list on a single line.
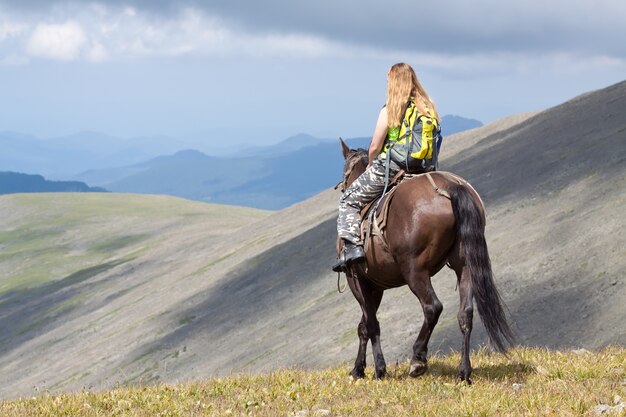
[(416, 149)]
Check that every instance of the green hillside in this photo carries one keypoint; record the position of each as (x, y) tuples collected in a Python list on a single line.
[(94, 284), (70, 237)]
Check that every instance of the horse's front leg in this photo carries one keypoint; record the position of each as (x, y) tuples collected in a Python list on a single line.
[(380, 367), (373, 297), (359, 364), (369, 299)]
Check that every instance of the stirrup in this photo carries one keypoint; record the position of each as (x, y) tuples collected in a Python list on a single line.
[(340, 266), (351, 253)]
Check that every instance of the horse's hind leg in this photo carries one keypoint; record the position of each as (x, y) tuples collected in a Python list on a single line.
[(465, 317), (369, 329), (419, 283), (466, 310)]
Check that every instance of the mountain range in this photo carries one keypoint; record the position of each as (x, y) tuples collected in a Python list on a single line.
[(106, 289), (254, 176), (61, 157), (271, 177)]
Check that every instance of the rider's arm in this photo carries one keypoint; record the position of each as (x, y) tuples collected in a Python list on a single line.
[(380, 133)]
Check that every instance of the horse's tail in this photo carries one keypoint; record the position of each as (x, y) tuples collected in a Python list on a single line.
[(470, 229)]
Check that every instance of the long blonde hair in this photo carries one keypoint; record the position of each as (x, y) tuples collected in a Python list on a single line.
[(402, 84)]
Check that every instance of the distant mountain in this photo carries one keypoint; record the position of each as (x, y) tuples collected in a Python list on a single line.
[(13, 182), (451, 124), (271, 177), (62, 157), (292, 143), (268, 182)]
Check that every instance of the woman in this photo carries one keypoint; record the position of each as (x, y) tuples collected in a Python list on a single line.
[(404, 92)]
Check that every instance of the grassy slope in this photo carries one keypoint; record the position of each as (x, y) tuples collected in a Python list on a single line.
[(130, 297), (51, 236), (139, 275), (84, 273), (531, 382)]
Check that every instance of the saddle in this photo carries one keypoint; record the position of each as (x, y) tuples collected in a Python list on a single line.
[(374, 214)]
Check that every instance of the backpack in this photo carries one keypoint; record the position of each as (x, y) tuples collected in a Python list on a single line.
[(417, 148)]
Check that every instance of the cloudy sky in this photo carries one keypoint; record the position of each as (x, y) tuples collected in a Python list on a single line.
[(224, 71)]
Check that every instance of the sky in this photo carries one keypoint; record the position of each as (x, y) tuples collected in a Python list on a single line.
[(258, 71)]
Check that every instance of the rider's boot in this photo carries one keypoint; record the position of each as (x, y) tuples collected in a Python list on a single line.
[(351, 253)]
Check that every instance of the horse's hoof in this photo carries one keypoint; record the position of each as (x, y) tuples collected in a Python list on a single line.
[(380, 374), (465, 376), (468, 381), (465, 379), (417, 368), (357, 374)]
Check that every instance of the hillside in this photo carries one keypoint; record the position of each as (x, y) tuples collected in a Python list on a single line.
[(14, 182), (105, 289)]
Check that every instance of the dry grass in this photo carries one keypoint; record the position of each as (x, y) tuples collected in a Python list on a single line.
[(531, 382)]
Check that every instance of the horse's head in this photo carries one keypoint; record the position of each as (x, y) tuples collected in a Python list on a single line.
[(356, 163)]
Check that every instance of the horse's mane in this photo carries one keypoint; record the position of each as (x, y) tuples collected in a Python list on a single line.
[(359, 152), (353, 157)]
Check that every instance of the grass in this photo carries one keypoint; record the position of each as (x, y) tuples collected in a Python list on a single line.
[(530, 382), (62, 233)]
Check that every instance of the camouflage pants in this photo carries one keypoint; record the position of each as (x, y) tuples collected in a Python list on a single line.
[(364, 189)]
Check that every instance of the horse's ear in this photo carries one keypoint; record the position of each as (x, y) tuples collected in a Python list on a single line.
[(344, 148)]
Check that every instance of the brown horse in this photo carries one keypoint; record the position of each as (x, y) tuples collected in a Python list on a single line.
[(425, 231)]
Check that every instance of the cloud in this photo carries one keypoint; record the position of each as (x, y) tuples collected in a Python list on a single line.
[(445, 26), (99, 33), (57, 41), (9, 30), (97, 53), (484, 36)]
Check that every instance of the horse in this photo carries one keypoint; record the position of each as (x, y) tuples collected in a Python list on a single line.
[(431, 223)]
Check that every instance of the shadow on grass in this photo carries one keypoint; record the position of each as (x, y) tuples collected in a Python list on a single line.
[(514, 371), (32, 311), (246, 300)]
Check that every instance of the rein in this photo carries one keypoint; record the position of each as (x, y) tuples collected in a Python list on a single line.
[(340, 289)]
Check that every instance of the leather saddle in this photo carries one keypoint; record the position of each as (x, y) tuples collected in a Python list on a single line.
[(374, 214)]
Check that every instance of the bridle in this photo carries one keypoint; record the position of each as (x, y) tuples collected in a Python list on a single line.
[(354, 158)]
